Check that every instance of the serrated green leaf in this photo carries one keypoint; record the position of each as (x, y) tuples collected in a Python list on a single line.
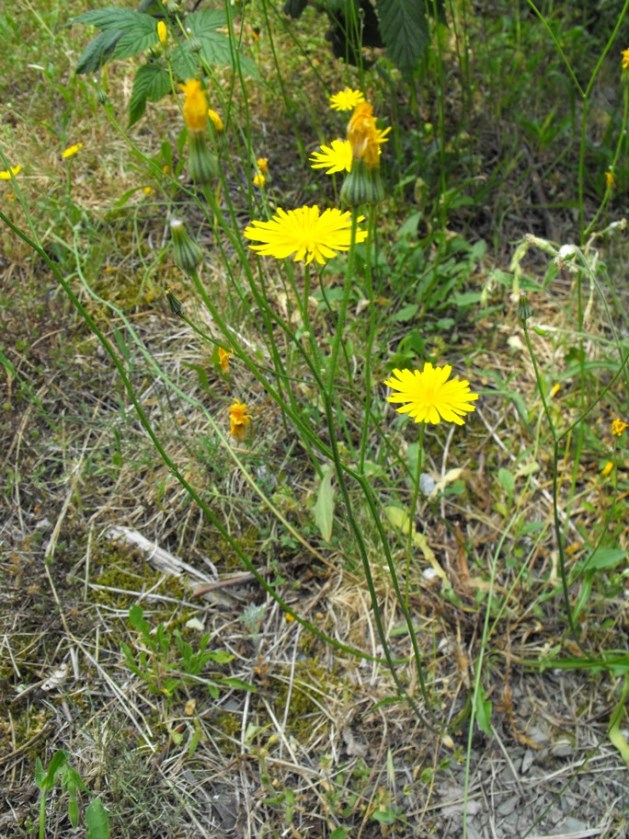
[(96, 820), (324, 506), (404, 30), (138, 37), (98, 52), (184, 62), (111, 18), (214, 45), (152, 81)]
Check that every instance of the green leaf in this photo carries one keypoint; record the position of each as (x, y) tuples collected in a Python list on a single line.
[(324, 507), (98, 52), (96, 820), (151, 83), (404, 30), (507, 481), (133, 31), (138, 621), (483, 712), (214, 46), (406, 313), (604, 558), (111, 18), (184, 61), (137, 38), (47, 781)]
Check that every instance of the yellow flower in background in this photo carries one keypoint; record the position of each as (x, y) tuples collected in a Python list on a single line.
[(7, 174), (618, 426), (346, 100), (364, 136), (223, 359), (334, 158), (625, 59), (195, 107), (71, 151), (148, 190), (259, 179), (216, 121), (307, 233), (430, 397), (239, 420), (607, 469), (162, 32), (610, 179), (263, 165)]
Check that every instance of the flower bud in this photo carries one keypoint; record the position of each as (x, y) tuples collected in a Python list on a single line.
[(187, 253)]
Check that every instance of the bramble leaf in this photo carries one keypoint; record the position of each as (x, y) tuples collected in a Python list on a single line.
[(151, 83), (404, 30)]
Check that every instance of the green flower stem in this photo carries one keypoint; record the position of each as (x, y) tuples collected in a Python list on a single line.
[(340, 325), (119, 365), (413, 508), (621, 141), (341, 472), (371, 331), (555, 479)]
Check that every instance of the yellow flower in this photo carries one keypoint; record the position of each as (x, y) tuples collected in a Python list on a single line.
[(334, 158), (364, 136), (239, 420), (195, 106), (607, 469), (165, 169), (610, 179), (216, 121), (346, 100), (7, 174), (223, 359), (148, 190), (618, 426), (71, 151), (625, 59), (162, 32), (430, 396), (305, 232), (263, 165), (554, 390), (259, 179)]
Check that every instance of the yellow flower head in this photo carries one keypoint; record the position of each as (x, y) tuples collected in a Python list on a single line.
[(216, 121), (263, 165), (71, 151), (305, 232), (364, 137), (334, 158), (430, 397), (607, 469), (625, 59), (610, 179), (346, 100), (618, 426), (259, 180), (223, 359), (162, 32), (195, 106), (239, 420), (7, 174), (148, 190)]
